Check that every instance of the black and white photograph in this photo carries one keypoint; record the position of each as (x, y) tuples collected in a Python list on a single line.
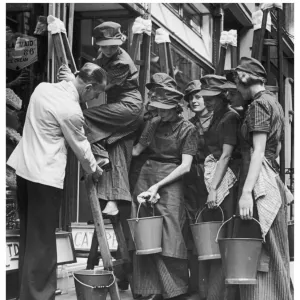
[(149, 151)]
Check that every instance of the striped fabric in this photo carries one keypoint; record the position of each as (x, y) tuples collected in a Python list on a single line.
[(274, 284), (265, 114), (157, 274), (228, 181), (267, 196)]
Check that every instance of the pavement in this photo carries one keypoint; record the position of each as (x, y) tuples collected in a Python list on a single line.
[(67, 286)]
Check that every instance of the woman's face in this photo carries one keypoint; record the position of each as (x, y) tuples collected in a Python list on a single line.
[(167, 114), (197, 103), (109, 51), (235, 98), (244, 90), (212, 102)]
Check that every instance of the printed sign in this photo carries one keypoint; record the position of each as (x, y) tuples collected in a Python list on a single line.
[(21, 52), (12, 254), (83, 235), (64, 248)]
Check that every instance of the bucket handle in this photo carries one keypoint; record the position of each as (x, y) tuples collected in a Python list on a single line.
[(205, 207), (234, 216), (138, 212), (96, 286)]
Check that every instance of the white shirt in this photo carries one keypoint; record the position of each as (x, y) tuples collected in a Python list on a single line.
[(53, 120)]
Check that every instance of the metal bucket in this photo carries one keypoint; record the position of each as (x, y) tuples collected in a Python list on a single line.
[(93, 284), (146, 233), (240, 258), (291, 239), (204, 235)]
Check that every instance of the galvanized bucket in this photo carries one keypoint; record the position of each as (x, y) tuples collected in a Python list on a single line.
[(93, 284), (146, 233), (240, 258), (204, 235)]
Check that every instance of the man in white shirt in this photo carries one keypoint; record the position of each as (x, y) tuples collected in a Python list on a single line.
[(53, 120)]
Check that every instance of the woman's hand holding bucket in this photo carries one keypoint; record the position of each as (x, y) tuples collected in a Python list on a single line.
[(148, 196), (246, 206), (212, 199)]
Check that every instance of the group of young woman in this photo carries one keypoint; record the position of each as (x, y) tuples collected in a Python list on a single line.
[(215, 159), (219, 158)]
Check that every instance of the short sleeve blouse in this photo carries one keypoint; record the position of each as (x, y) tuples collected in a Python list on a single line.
[(264, 114)]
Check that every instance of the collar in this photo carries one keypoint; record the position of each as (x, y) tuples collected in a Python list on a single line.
[(103, 57), (70, 87), (175, 124), (257, 95)]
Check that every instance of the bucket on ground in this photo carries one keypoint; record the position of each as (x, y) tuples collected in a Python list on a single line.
[(146, 233), (204, 235), (291, 239), (240, 258), (93, 284)]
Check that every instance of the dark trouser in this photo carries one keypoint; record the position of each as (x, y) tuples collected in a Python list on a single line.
[(38, 206)]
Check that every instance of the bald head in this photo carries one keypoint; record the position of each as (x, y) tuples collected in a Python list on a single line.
[(93, 74)]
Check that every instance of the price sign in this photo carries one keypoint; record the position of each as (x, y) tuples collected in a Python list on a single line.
[(21, 52)]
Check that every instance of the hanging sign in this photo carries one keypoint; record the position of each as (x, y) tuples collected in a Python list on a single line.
[(21, 52)]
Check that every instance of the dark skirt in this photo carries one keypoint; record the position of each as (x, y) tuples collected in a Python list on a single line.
[(211, 276)]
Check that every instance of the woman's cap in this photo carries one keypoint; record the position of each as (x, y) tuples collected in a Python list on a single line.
[(191, 87), (228, 86), (166, 98), (108, 34), (161, 80), (249, 65), (211, 85)]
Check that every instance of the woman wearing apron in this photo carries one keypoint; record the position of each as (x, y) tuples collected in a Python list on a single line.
[(221, 171), (172, 148), (261, 134)]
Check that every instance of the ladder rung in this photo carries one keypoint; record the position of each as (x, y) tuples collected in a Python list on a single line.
[(119, 262), (270, 42), (139, 62), (272, 88)]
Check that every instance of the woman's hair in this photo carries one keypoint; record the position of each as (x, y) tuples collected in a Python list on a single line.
[(248, 79), (92, 73), (179, 109)]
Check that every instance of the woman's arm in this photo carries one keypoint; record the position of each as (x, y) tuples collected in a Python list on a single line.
[(246, 201), (219, 174), (182, 169), (138, 149)]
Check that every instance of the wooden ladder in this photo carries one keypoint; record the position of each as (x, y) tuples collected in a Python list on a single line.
[(144, 61), (64, 55), (259, 41)]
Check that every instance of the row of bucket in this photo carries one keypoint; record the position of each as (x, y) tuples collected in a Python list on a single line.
[(240, 256)]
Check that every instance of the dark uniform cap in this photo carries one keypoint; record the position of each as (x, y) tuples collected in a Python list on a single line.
[(108, 34), (161, 80), (191, 87), (249, 65), (211, 85), (166, 98), (228, 86)]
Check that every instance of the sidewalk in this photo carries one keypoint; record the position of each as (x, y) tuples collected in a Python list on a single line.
[(124, 295)]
